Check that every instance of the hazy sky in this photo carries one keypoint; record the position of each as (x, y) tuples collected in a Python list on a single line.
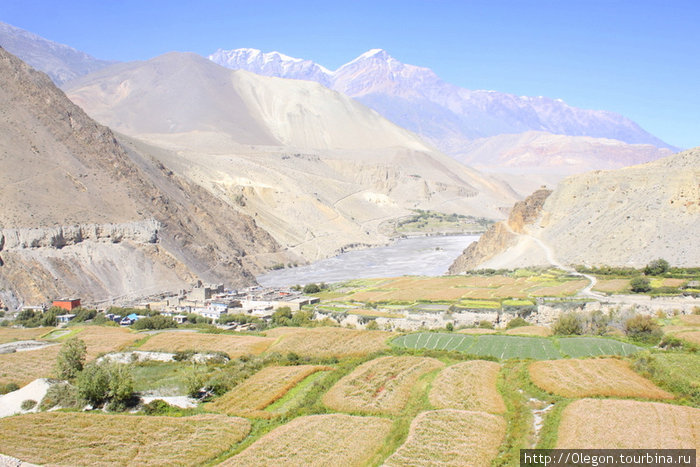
[(639, 58)]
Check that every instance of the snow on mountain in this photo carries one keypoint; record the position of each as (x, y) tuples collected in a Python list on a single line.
[(446, 115)]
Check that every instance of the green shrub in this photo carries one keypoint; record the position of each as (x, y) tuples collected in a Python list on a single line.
[(568, 324), (485, 324), (640, 284), (8, 387), (71, 358), (63, 395), (183, 355), (111, 383), (28, 404), (312, 288), (643, 328), (155, 322), (517, 323), (656, 267)]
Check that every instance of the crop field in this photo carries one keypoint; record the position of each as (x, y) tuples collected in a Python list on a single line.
[(451, 437), (95, 439), (382, 385), (295, 396), (468, 386), (505, 347), (690, 320), (249, 398), (473, 331), (593, 377), (24, 367), (317, 440), (627, 424), (454, 288), (541, 331), (691, 336), (577, 347), (328, 341), (611, 285), (103, 339), (492, 345), (234, 346), (8, 334)]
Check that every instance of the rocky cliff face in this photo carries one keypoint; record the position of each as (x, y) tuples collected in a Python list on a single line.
[(624, 217), (502, 235), (85, 214)]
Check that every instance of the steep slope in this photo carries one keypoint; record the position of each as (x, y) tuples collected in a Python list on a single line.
[(316, 169), (448, 116), (60, 62), (624, 217), (83, 215)]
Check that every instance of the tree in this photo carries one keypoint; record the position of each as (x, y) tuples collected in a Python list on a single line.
[(656, 267), (312, 288), (71, 358), (643, 328), (640, 284), (121, 384), (93, 384)]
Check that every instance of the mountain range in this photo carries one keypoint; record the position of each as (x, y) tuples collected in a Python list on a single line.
[(417, 99), (316, 169)]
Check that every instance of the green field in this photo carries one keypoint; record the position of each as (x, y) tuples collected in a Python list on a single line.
[(506, 347)]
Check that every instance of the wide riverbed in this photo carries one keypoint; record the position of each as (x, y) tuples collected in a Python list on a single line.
[(418, 256)]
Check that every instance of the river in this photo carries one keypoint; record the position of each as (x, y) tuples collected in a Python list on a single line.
[(418, 256)]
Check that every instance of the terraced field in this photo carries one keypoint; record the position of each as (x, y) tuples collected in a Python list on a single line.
[(382, 385), (317, 440), (468, 386), (593, 377), (451, 437), (234, 346), (627, 424), (328, 341), (506, 347), (99, 439), (14, 334), (24, 367), (249, 398)]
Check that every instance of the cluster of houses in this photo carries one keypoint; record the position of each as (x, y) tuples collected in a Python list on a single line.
[(209, 301), (212, 301)]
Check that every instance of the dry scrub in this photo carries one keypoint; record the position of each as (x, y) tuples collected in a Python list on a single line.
[(317, 440), (451, 437), (234, 346), (382, 385), (616, 424), (328, 342), (593, 377), (24, 367), (249, 398), (541, 331), (97, 439), (468, 386)]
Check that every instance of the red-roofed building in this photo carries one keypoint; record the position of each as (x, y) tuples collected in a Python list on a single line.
[(67, 303)]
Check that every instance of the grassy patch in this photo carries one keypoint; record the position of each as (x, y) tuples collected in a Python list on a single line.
[(295, 396), (165, 378)]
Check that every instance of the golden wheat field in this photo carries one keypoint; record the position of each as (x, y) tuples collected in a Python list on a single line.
[(627, 424), (97, 439), (21, 334), (690, 336), (234, 346), (690, 320), (607, 377), (541, 331), (24, 367), (451, 437), (104, 339), (317, 440), (477, 331), (249, 398), (468, 386), (611, 285), (382, 385), (328, 341)]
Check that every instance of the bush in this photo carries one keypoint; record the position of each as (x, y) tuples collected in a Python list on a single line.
[(62, 395), (449, 327), (112, 383), (28, 404), (640, 285), (656, 267), (568, 324), (155, 322), (517, 323), (8, 387), (643, 328), (71, 358)]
